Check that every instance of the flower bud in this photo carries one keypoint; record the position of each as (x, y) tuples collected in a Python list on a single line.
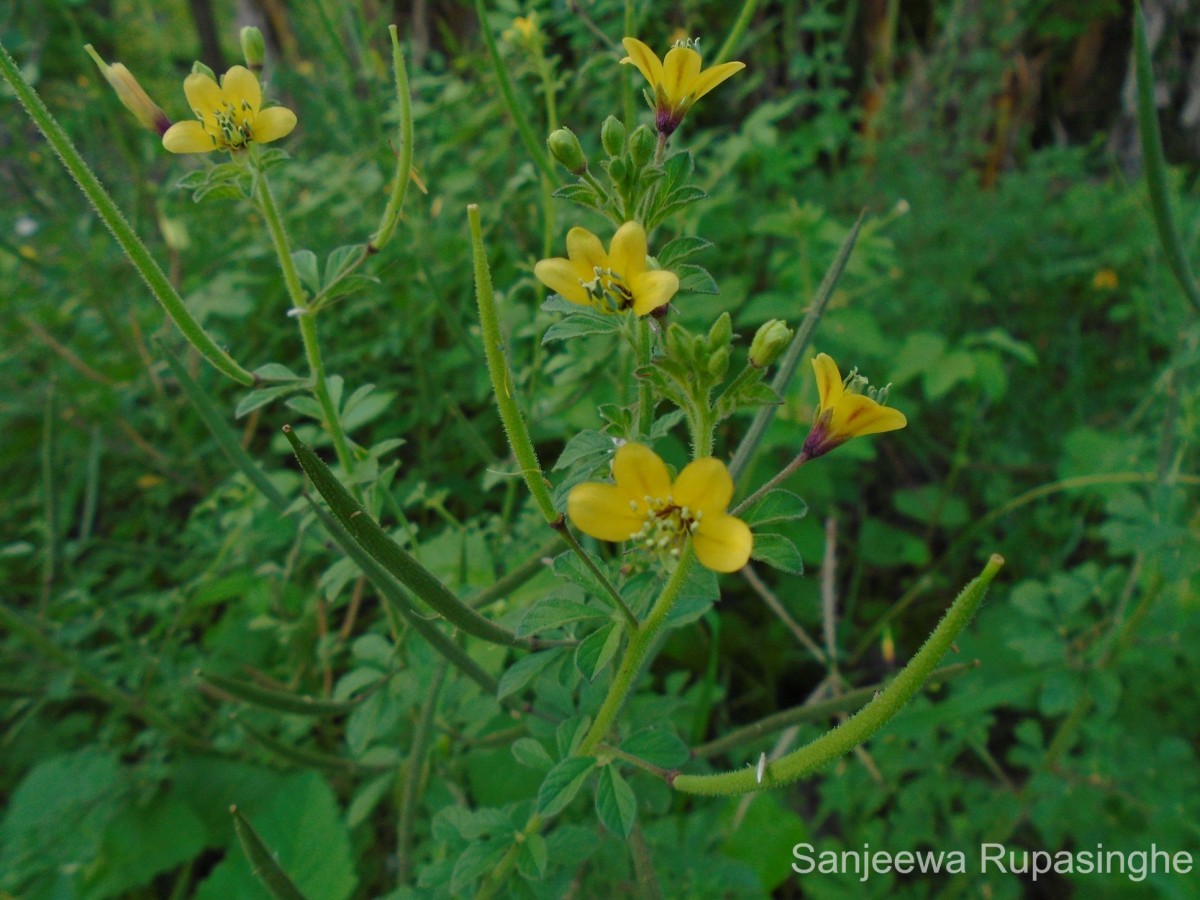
[(131, 94), (718, 362), (564, 147), (769, 341), (254, 48), (721, 332), (618, 170), (641, 145), (612, 136)]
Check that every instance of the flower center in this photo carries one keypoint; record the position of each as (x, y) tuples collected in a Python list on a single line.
[(666, 526), (233, 124), (608, 291)]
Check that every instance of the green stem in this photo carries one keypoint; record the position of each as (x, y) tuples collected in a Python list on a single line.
[(736, 33), (510, 413), (412, 779), (130, 243), (514, 578), (641, 642), (306, 317), (811, 712), (532, 145), (784, 474), (391, 214), (791, 358), (867, 721), (493, 347), (1156, 165), (645, 389), (498, 877)]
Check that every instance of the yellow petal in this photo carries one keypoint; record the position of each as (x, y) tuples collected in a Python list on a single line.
[(188, 137), (272, 124), (203, 96), (603, 511), (704, 486), (560, 276), (644, 58), (680, 69), (856, 415), (652, 290), (829, 381), (710, 78), (723, 543), (585, 250), (241, 86), (627, 254), (641, 473)]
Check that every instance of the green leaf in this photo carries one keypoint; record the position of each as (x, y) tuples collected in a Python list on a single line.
[(582, 194), (568, 566), (305, 262), (956, 366), (659, 746), (531, 754), (696, 279), (341, 259), (263, 396), (266, 869), (589, 448), (525, 670), (597, 650), (699, 592), (562, 783), (616, 804), (778, 552), (275, 372), (477, 860), (579, 324), (555, 612), (681, 248), (775, 507), (532, 857)]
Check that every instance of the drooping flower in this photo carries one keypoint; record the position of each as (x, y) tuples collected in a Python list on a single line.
[(845, 412), (676, 80), (230, 115), (131, 94), (610, 282), (644, 506)]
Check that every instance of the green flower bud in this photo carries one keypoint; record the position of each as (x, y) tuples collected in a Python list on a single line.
[(679, 344), (769, 341), (721, 332), (254, 48), (564, 147), (718, 362), (618, 170), (612, 136), (641, 145)]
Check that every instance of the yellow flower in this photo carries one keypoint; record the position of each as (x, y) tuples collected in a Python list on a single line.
[(1105, 280), (645, 507), (844, 411), (612, 281), (676, 80), (525, 26), (131, 94), (230, 115)]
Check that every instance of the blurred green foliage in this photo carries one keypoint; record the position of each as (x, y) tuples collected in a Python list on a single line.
[(1010, 287)]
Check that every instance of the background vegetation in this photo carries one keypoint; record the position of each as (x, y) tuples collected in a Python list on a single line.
[(1008, 282)]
